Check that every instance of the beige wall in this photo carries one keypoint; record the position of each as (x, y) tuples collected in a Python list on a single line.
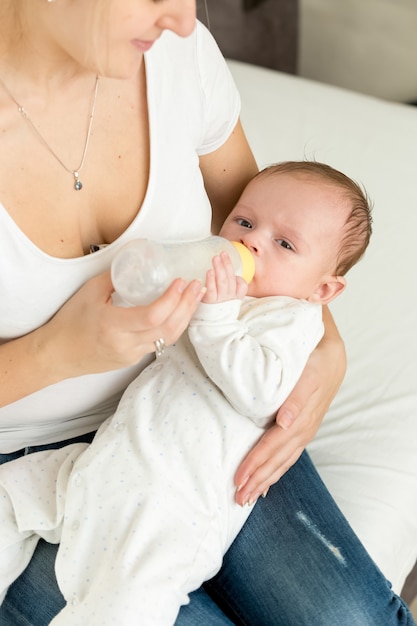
[(365, 45)]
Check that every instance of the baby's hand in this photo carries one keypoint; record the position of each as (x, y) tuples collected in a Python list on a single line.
[(222, 283)]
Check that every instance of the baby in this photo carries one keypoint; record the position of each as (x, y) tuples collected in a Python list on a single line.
[(146, 512)]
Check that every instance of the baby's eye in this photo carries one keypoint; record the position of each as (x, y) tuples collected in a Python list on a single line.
[(284, 244), (245, 223)]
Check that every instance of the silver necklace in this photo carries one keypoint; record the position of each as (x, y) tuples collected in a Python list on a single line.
[(77, 183)]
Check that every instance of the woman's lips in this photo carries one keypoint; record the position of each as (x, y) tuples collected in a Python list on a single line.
[(143, 45)]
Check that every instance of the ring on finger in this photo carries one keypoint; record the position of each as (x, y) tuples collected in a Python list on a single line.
[(159, 347)]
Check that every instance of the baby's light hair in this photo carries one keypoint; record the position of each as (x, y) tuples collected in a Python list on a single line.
[(358, 225)]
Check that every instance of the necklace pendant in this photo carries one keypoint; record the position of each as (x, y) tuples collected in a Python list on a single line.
[(77, 184)]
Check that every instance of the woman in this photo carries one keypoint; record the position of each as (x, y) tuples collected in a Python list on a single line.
[(101, 145)]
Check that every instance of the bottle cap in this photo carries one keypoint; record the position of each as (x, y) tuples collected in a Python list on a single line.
[(248, 262)]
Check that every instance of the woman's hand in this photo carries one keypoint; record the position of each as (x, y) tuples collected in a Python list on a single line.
[(97, 336), (297, 420), (90, 335)]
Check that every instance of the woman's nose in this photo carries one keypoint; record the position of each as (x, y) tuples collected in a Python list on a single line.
[(178, 16)]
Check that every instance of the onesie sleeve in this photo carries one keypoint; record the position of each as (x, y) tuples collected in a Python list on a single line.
[(220, 95), (257, 356)]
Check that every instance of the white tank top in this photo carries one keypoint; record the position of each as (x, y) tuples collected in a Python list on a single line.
[(193, 108)]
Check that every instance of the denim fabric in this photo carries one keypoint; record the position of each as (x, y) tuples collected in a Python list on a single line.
[(87, 438), (202, 611), (295, 563)]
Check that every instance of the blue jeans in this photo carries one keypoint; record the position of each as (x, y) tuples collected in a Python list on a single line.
[(296, 562)]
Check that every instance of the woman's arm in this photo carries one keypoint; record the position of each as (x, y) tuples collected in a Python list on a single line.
[(300, 416), (90, 335), (226, 172)]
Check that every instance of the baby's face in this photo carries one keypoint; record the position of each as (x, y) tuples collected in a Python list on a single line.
[(292, 224)]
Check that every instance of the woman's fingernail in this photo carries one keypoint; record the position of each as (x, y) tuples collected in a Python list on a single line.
[(253, 498), (197, 286), (265, 492), (199, 289), (285, 421), (242, 484)]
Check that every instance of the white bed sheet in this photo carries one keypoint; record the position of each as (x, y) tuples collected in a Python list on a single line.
[(366, 449)]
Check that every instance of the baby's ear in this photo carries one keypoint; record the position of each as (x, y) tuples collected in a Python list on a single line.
[(328, 290)]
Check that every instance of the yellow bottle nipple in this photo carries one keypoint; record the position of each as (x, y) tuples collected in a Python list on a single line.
[(248, 262)]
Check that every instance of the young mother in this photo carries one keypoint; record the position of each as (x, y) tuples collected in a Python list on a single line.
[(102, 143)]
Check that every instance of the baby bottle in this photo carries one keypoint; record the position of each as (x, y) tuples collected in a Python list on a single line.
[(143, 269)]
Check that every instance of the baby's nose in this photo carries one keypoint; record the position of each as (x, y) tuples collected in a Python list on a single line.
[(251, 243)]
